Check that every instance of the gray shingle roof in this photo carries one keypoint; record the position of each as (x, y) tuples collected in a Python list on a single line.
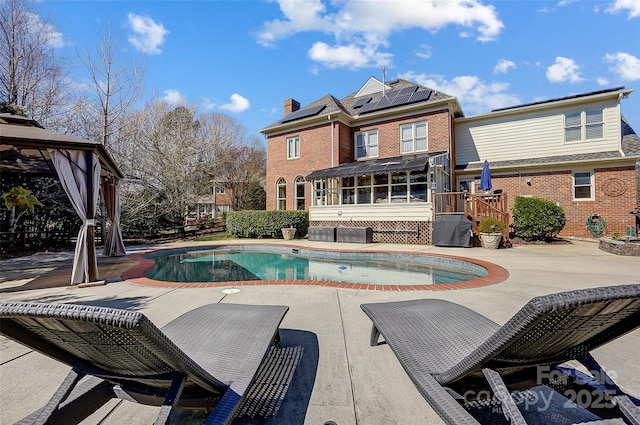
[(345, 105)]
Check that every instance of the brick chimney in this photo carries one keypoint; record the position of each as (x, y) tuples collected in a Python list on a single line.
[(291, 105)]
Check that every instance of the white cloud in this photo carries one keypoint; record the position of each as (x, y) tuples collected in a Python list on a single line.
[(625, 65), (174, 98), (148, 36), (633, 6), (207, 104), (348, 56), (364, 27), (563, 70), (53, 37), (602, 82), (424, 52), (475, 95), (237, 104), (503, 66)]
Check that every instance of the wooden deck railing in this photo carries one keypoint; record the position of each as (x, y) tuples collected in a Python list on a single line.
[(475, 207)]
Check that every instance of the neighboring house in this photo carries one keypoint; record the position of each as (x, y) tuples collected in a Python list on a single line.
[(208, 207), (389, 155), (577, 151)]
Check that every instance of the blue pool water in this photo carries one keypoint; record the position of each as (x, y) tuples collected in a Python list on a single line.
[(246, 263)]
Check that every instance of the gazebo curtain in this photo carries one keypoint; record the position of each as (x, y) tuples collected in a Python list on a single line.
[(114, 246), (80, 180)]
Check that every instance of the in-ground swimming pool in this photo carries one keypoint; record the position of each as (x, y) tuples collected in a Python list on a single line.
[(269, 263)]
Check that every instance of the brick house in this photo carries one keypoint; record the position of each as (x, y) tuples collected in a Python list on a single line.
[(393, 155), (577, 151)]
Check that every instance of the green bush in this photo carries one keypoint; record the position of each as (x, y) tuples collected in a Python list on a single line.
[(491, 225), (266, 224), (536, 219)]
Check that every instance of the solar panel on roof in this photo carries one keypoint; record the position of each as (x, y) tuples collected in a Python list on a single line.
[(401, 99), (420, 95), (361, 102), (382, 103), (408, 90), (391, 94), (303, 113), (368, 107)]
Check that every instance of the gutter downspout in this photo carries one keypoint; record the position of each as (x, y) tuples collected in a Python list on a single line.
[(332, 140)]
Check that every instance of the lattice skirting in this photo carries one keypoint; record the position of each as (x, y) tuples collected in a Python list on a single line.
[(407, 232)]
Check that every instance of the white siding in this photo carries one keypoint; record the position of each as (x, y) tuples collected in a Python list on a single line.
[(532, 134), (417, 211)]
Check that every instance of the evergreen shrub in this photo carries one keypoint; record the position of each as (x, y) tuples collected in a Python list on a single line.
[(266, 224), (537, 219)]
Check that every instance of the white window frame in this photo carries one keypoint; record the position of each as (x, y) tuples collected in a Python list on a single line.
[(293, 147), (300, 182), (412, 140), (586, 122), (370, 147), (281, 202), (591, 185), (220, 190)]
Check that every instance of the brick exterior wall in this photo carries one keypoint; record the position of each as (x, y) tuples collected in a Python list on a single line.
[(615, 196), (315, 150)]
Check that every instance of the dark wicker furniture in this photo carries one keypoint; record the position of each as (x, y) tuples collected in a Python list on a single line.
[(206, 358), (454, 355)]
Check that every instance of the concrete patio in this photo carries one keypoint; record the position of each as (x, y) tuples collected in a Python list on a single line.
[(340, 378)]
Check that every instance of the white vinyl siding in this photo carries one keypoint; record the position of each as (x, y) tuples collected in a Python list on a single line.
[(293, 147), (413, 137), (534, 134), (366, 144), (419, 211)]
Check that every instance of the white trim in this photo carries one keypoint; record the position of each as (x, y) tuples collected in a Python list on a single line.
[(592, 186)]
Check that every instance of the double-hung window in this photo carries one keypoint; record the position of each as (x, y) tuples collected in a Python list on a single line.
[(583, 186), (367, 144), (584, 125), (293, 147), (413, 137)]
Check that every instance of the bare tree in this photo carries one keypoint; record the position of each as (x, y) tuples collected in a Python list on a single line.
[(31, 75), (117, 84), (238, 159)]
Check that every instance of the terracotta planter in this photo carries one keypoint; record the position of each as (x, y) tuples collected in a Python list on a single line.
[(491, 240), (288, 233)]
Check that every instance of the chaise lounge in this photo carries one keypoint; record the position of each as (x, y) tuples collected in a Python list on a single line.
[(472, 370), (206, 359)]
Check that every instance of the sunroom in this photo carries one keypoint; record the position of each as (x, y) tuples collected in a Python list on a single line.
[(390, 195)]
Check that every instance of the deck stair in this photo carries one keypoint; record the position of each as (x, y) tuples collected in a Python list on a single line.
[(474, 207)]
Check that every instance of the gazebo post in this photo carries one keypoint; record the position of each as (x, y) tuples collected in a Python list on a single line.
[(91, 230)]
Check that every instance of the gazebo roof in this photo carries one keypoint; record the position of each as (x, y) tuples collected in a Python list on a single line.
[(24, 144)]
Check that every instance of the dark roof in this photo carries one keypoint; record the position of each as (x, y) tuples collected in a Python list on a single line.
[(576, 96), (24, 144), (630, 140), (349, 104), (376, 166)]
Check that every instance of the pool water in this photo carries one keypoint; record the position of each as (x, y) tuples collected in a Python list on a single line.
[(216, 265)]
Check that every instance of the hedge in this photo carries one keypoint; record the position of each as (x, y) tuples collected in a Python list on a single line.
[(537, 218), (266, 224)]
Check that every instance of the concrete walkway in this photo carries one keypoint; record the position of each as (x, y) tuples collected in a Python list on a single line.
[(340, 377)]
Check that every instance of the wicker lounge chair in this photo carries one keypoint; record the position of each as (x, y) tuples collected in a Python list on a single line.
[(455, 356), (206, 358)]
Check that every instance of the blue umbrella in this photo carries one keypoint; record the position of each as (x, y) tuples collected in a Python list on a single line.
[(485, 177)]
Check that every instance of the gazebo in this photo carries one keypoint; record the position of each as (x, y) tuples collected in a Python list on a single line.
[(84, 168)]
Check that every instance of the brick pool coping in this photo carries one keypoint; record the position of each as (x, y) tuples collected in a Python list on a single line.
[(496, 274)]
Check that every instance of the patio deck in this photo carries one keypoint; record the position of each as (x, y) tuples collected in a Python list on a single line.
[(340, 377)]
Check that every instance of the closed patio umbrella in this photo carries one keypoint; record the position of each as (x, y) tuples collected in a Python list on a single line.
[(485, 177)]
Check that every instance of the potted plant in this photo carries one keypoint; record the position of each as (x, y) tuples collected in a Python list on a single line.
[(288, 233), (491, 229)]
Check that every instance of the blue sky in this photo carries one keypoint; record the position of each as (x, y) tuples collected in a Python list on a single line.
[(243, 58)]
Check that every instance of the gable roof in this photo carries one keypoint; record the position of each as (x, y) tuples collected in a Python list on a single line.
[(367, 101)]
